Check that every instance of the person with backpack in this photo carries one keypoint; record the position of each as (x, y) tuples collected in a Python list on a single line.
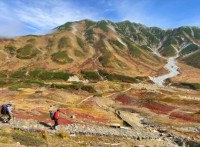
[(7, 110), (54, 116)]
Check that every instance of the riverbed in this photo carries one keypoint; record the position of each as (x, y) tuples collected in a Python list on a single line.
[(173, 71)]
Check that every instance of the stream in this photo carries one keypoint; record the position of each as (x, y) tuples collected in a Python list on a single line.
[(173, 71)]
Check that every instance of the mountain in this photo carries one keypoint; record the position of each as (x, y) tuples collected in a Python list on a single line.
[(123, 47)]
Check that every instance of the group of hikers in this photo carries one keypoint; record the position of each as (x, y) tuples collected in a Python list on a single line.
[(6, 109)]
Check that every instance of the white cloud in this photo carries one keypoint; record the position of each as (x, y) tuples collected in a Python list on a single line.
[(42, 15)]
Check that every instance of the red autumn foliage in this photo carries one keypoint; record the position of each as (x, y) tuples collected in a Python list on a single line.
[(159, 108), (82, 116), (124, 99), (185, 116)]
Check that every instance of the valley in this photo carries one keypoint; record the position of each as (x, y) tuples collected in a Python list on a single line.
[(116, 84)]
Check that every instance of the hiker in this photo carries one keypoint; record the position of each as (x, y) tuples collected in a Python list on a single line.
[(54, 116), (7, 110)]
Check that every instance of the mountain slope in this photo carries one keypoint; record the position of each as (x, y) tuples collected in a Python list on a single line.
[(123, 47)]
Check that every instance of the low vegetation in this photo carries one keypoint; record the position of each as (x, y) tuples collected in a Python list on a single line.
[(91, 75), (63, 43), (61, 57), (121, 78), (26, 52), (75, 86), (194, 86)]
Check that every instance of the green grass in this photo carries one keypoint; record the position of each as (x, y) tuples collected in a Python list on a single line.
[(11, 49), (105, 59), (65, 26), (31, 40), (116, 43), (90, 75), (190, 48), (102, 25), (75, 86), (49, 75), (50, 43), (63, 43), (194, 86), (61, 57), (168, 51), (121, 78), (81, 44), (135, 51), (78, 53), (41, 74), (26, 52), (89, 35), (193, 60)]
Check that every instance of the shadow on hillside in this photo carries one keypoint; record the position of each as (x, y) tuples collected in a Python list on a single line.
[(45, 124)]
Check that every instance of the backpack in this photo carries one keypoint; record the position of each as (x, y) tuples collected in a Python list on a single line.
[(56, 115), (52, 115), (4, 109)]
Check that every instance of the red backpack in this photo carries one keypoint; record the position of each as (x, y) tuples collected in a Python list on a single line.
[(56, 115)]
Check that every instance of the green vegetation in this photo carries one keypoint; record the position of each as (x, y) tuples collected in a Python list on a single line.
[(50, 43), (78, 53), (89, 35), (168, 51), (193, 60), (26, 52), (194, 86), (90, 75), (63, 42), (103, 25), (89, 23), (116, 43), (190, 48), (41, 74), (11, 49), (75, 86), (49, 75), (61, 57), (121, 78), (105, 59), (196, 32), (65, 26), (135, 51), (31, 40), (81, 44)]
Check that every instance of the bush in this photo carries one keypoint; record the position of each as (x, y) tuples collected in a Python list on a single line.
[(75, 86), (121, 78), (117, 43), (194, 86), (11, 49), (103, 25), (63, 42), (90, 75), (78, 53), (61, 57), (26, 52)]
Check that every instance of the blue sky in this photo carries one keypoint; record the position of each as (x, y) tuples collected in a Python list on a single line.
[(20, 17)]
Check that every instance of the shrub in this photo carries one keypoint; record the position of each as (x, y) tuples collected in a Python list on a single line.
[(117, 43), (61, 57), (75, 86), (190, 48), (11, 49), (90, 75), (78, 53), (26, 52), (103, 25), (63, 134), (63, 42)]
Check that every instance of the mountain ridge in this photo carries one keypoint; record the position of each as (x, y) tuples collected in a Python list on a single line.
[(124, 47)]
